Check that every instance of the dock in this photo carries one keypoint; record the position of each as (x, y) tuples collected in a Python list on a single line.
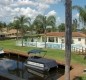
[(15, 52)]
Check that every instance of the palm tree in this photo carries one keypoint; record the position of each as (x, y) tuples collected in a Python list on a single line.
[(38, 23), (68, 34), (1, 26), (23, 24), (61, 27), (82, 13), (51, 21), (75, 24), (9, 26), (42, 22), (15, 25)]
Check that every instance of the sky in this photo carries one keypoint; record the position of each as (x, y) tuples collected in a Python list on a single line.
[(31, 8)]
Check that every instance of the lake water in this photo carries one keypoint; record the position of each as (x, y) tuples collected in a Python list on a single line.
[(14, 67)]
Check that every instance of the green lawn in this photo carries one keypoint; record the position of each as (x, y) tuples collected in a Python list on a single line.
[(51, 53), (84, 77)]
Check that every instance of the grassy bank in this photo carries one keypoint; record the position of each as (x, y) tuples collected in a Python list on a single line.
[(51, 53)]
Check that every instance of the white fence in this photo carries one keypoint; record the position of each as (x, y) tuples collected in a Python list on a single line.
[(48, 45), (41, 44)]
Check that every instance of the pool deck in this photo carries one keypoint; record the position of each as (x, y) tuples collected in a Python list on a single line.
[(76, 71)]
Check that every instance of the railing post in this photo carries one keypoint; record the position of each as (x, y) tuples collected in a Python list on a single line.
[(74, 49), (82, 50), (85, 51), (79, 51)]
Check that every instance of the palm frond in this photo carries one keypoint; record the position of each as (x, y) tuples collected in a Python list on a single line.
[(82, 13)]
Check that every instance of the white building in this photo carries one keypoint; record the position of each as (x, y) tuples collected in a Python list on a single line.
[(59, 37), (55, 40)]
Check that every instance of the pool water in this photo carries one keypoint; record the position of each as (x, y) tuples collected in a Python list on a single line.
[(15, 67)]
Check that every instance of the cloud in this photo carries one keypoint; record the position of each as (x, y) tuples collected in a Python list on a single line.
[(58, 19), (32, 13), (26, 2), (27, 11), (52, 13), (49, 1), (31, 8), (41, 7), (76, 16), (4, 11), (5, 2)]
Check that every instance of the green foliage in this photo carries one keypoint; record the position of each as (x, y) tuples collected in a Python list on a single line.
[(78, 59), (74, 25), (83, 30), (41, 22), (82, 13), (2, 25), (22, 23), (61, 27), (84, 77)]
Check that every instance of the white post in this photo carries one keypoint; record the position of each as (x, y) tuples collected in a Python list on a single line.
[(47, 39), (55, 39)]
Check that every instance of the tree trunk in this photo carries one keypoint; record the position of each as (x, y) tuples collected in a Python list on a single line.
[(68, 35), (22, 41), (45, 38), (17, 35), (45, 30)]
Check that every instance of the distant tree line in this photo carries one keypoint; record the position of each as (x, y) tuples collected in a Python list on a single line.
[(42, 24)]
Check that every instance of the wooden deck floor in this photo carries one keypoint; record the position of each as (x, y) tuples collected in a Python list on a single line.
[(16, 52)]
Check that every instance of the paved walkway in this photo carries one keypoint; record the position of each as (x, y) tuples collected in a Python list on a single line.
[(76, 71)]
